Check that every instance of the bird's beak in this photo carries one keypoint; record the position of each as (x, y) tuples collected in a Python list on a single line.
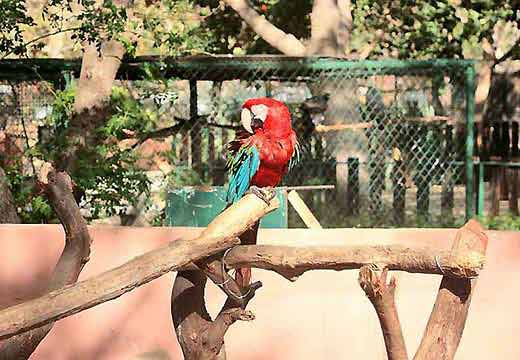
[(246, 118)]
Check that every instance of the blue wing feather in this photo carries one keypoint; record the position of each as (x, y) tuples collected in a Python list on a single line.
[(242, 167)]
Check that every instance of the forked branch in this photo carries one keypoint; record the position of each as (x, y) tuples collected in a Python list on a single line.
[(219, 235), (382, 296), (58, 188)]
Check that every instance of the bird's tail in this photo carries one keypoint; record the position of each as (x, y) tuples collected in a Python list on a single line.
[(243, 275)]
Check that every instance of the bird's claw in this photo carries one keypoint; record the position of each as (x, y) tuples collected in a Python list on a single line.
[(265, 194)]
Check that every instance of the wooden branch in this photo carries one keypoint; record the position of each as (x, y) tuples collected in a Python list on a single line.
[(446, 324), (288, 44), (58, 187), (98, 72), (220, 234), (367, 125), (303, 210), (382, 296), (345, 27), (198, 335), (291, 262)]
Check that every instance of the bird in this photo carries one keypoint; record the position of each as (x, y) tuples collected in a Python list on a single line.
[(258, 158)]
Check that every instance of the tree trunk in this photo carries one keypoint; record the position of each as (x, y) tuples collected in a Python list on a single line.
[(98, 72), (8, 214)]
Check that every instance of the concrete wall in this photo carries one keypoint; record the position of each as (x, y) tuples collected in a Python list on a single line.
[(324, 315)]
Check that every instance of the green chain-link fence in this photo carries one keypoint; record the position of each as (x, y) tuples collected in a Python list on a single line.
[(384, 143)]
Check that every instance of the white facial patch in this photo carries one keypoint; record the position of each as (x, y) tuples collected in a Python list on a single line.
[(259, 111), (245, 119)]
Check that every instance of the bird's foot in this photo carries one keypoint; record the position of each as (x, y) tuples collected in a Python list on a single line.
[(265, 194)]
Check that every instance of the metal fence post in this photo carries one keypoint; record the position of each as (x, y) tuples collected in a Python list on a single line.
[(470, 119)]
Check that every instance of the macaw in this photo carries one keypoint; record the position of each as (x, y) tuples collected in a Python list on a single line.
[(259, 157)]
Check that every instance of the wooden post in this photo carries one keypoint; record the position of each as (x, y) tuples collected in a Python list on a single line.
[(353, 186), (195, 132), (447, 181), (423, 185), (495, 170), (376, 177), (399, 182), (211, 153), (504, 156), (514, 172), (495, 190), (303, 210)]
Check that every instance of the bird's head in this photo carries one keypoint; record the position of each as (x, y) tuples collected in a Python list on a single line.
[(268, 116)]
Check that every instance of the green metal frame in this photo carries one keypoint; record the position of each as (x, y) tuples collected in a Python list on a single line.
[(470, 120), (182, 68), (269, 67)]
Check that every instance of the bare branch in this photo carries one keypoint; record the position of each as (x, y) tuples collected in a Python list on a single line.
[(345, 24), (198, 335), (325, 22), (58, 187), (446, 324), (382, 296), (291, 262), (220, 234), (288, 44)]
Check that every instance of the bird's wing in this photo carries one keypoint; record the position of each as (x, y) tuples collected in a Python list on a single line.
[(242, 166)]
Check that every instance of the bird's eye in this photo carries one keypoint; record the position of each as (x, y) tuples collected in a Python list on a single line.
[(259, 111)]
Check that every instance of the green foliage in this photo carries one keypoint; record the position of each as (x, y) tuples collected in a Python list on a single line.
[(32, 207), (447, 28), (502, 222), (169, 27), (228, 35), (106, 174), (14, 18)]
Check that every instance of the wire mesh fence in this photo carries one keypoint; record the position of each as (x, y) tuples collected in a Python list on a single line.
[(384, 143)]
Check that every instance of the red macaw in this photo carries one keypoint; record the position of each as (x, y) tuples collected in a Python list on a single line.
[(259, 157)]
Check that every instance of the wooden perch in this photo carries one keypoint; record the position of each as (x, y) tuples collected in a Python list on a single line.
[(303, 210), (220, 234), (58, 188), (444, 330), (200, 337), (367, 125), (382, 296), (291, 262), (448, 318)]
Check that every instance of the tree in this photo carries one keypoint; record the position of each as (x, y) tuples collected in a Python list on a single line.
[(105, 32), (91, 117)]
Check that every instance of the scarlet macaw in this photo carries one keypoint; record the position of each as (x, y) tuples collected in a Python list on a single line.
[(259, 157)]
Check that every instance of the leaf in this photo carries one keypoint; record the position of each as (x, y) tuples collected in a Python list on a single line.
[(458, 30)]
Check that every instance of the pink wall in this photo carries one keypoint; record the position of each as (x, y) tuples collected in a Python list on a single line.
[(323, 315)]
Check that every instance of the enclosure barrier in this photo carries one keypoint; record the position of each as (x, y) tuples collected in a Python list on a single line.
[(215, 251), (395, 138)]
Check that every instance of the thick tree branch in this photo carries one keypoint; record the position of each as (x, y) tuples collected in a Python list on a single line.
[(220, 234), (291, 262), (182, 125), (98, 72), (325, 23), (446, 324), (58, 187), (382, 296), (345, 24), (198, 335), (288, 44)]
